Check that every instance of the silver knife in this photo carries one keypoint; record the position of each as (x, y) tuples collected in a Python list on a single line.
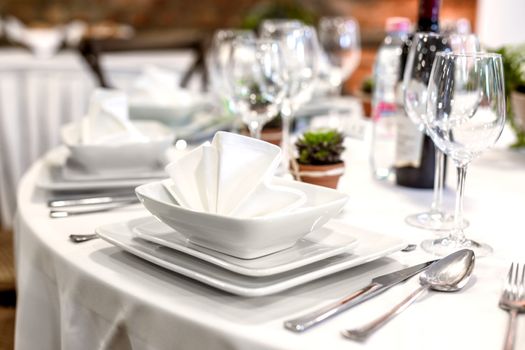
[(58, 214), (73, 202), (378, 285)]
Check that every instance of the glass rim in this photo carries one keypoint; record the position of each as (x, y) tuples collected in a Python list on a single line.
[(468, 54)]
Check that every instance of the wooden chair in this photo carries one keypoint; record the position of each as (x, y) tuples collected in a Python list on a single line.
[(91, 49)]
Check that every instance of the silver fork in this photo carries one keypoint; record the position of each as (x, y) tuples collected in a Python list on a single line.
[(513, 301)]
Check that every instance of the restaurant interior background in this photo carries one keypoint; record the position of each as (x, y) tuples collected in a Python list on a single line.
[(164, 17)]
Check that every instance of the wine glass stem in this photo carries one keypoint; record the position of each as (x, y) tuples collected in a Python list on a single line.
[(286, 114), (439, 178), (255, 129), (457, 234)]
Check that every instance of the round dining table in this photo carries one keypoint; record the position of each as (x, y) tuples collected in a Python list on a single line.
[(93, 295)]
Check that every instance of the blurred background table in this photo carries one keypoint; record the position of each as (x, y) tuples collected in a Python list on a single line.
[(38, 96)]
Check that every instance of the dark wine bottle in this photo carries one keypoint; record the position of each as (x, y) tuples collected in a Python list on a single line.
[(412, 142)]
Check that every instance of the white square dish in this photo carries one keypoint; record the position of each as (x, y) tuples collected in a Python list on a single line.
[(130, 155), (372, 246), (323, 243), (245, 238)]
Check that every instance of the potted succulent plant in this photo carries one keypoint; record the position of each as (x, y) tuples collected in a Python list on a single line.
[(364, 93), (319, 157), (514, 74)]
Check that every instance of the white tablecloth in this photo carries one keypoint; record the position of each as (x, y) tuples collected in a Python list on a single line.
[(94, 296), (38, 96)]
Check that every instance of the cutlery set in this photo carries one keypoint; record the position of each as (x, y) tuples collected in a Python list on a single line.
[(448, 274)]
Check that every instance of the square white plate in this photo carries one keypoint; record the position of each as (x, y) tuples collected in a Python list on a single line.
[(53, 176), (323, 243), (371, 246)]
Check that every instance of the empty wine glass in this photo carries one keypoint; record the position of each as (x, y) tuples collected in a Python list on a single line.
[(217, 59), (301, 48), (465, 116), (256, 79), (425, 46), (464, 43), (341, 42)]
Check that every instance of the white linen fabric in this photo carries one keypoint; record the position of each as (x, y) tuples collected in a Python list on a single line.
[(38, 96), (230, 176), (94, 296), (107, 120), (158, 86)]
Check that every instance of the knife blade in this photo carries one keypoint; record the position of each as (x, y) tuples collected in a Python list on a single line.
[(94, 200), (377, 286)]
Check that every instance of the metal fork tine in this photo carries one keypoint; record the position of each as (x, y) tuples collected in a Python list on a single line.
[(522, 283), (513, 300), (515, 285), (508, 282)]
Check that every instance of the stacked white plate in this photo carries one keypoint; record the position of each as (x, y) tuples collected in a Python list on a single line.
[(78, 167), (205, 247), (334, 248)]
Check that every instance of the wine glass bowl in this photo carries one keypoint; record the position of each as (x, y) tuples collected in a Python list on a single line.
[(340, 39), (217, 59), (465, 116), (256, 81), (424, 48)]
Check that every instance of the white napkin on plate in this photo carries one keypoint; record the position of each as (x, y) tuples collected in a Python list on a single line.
[(159, 86), (107, 120), (231, 176)]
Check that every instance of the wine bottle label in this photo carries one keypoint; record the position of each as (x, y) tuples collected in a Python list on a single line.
[(409, 143)]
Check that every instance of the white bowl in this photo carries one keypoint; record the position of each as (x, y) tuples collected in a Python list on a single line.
[(245, 238), (130, 155)]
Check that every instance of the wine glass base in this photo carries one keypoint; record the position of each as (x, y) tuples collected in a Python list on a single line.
[(445, 246), (433, 220)]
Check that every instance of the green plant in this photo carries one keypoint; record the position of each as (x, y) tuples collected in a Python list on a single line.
[(320, 147), (514, 76), (367, 85), (291, 9)]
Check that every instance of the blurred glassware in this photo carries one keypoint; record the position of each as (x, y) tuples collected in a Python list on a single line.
[(464, 43), (459, 26), (301, 48), (341, 42), (256, 79), (425, 46), (217, 59), (465, 116)]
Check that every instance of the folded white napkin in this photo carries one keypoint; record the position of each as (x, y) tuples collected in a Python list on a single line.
[(231, 176), (107, 120), (159, 86)]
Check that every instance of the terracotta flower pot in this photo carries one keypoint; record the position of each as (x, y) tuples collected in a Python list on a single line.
[(322, 175), (518, 107), (366, 101), (271, 135)]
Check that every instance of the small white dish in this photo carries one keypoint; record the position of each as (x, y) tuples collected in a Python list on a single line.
[(246, 238), (318, 245), (372, 246), (129, 155)]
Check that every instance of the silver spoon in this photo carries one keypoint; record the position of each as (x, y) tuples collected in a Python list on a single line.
[(446, 275), (82, 238)]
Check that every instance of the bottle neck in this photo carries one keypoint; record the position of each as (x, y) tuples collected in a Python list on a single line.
[(428, 16)]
